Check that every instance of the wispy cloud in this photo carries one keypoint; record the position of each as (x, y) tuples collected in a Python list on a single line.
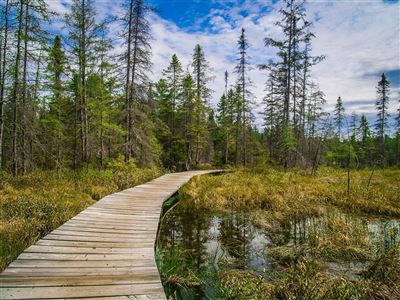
[(359, 40)]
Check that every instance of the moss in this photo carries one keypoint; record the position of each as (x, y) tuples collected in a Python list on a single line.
[(240, 284)]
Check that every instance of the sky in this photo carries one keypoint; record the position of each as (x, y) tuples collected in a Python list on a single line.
[(360, 39)]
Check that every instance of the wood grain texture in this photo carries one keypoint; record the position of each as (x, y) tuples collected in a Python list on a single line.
[(105, 252)]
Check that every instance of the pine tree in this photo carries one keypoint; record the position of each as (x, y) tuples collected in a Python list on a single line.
[(364, 129), (353, 124), (57, 102), (137, 61), (397, 125), (381, 105), (339, 116), (83, 37), (272, 115), (164, 114), (223, 122), (173, 77), (308, 61), (190, 94), (201, 77), (294, 28), (290, 77), (4, 31), (244, 82), (15, 97), (366, 143)]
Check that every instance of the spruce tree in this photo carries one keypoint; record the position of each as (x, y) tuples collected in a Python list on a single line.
[(244, 82), (136, 57), (83, 36), (4, 31), (339, 116), (189, 96), (57, 109), (15, 96), (223, 122), (381, 105), (201, 77), (366, 142), (353, 125), (173, 78)]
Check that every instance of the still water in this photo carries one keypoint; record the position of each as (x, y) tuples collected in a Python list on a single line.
[(194, 246)]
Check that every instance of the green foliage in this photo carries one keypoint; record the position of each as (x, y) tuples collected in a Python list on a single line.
[(342, 154)]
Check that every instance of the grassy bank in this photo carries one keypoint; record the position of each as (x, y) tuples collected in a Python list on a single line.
[(294, 193), (35, 204), (320, 240)]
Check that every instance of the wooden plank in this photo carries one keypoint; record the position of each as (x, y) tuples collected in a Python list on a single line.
[(62, 292), (88, 250), (78, 280), (86, 257), (93, 244), (88, 271), (104, 252)]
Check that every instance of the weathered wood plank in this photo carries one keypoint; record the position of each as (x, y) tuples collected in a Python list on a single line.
[(104, 252)]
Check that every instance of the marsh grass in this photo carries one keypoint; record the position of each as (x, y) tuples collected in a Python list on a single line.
[(297, 193), (33, 205), (311, 222)]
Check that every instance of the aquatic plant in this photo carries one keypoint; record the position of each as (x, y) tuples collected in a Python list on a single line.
[(321, 243)]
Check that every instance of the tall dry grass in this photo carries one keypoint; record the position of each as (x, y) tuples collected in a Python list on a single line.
[(277, 200), (33, 205)]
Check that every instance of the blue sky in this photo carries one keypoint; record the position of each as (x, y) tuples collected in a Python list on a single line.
[(360, 39)]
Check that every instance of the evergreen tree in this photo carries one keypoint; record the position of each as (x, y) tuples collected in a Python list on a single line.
[(339, 116), (353, 125), (173, 77), (190, 98), (366, 142), (137, 61), (83, 37), (381, 105), (16, 87), (201, 77), (165, 113), (243, 81), (57, 106), (4, 40)]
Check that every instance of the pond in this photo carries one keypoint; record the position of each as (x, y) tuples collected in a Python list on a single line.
[(194, 246)]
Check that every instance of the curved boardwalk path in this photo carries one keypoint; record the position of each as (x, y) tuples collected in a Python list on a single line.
[(105, 252)]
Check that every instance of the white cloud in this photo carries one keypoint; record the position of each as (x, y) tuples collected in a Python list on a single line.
[(359, 39)]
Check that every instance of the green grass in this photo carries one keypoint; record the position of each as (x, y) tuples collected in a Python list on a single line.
[(33, 205)]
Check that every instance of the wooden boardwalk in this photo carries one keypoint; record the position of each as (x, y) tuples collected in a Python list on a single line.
[(105, 252)]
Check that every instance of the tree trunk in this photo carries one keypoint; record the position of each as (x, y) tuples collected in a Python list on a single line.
[(15, 93), (128, 88), (2, 81), (24, 115)]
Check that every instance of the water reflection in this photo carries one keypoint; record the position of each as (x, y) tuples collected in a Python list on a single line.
[(201, 244), (194, 246)]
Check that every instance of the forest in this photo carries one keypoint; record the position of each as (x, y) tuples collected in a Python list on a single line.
[(73, 101), (315, 191)]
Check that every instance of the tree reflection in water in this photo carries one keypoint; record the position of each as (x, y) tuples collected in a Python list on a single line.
[(194, 245)]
